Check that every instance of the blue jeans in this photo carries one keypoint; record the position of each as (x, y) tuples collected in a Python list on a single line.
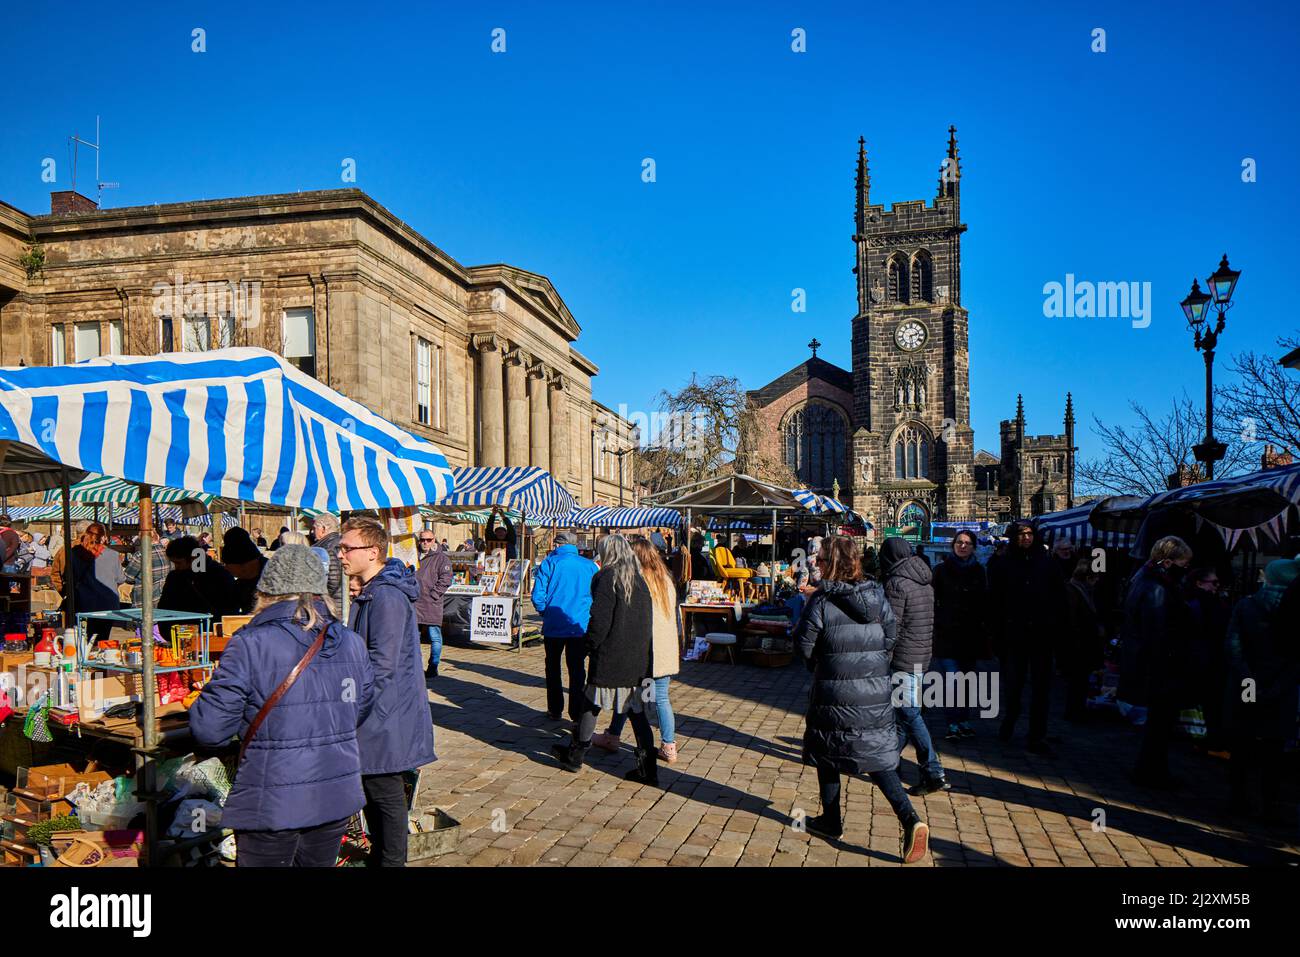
[(667, 724), (434, 635), (951, 666), (906, 691)]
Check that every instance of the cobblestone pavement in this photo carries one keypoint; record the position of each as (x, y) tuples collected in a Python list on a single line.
[(729, 798)]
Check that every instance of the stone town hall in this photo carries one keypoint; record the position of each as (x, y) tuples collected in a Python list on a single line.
[(894, 433)]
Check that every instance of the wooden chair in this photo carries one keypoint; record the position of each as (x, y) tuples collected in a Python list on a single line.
[(733, 577)]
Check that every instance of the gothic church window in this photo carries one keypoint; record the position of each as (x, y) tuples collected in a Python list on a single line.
[(897, 290), (911, 454), (922, 277), (816, 438)]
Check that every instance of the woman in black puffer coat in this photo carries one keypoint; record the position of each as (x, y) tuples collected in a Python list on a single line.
[(961, 597), (846, 636)]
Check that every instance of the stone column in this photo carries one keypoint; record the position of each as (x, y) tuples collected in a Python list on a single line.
[(516, 407), (539, 450), (492, 446), (559, 400)]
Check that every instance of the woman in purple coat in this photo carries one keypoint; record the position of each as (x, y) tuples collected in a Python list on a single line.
[(300, 778)]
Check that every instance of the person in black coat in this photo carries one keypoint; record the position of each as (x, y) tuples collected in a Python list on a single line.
[(1084, 640), (618, 643), (908, 588), (1024, 614), (1207, 662), (847, 637), (197, 583), (503, 535), (961, 598), (1157, 627)]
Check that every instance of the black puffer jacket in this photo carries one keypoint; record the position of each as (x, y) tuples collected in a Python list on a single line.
[(1026, 602), (961, 598), (846, 637), (618, 633), (908, 588)]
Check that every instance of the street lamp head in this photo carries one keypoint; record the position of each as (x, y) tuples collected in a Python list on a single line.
[(1194, 307), (1223, 282)]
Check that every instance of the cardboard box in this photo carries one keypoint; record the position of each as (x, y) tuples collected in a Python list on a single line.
[(52, 781), (97, 691), (14, 659)]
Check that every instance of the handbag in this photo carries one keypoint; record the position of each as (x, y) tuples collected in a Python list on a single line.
[(279, 693)]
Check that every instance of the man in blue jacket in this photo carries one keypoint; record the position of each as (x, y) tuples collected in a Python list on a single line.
[(562, 594), (397, 736)]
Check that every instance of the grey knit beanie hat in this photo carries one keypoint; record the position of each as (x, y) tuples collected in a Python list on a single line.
[(293, 570)]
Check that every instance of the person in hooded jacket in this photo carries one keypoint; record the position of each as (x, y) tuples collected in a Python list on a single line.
[(1084, 641), (300, 778), (1024, 611), (1157, 627), (1263, 647), (398, 735), (847, 638), (908, 587), (961, 597)]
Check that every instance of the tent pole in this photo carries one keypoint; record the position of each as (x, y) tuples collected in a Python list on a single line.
[(773, 552), (145, 765), (71, 620)]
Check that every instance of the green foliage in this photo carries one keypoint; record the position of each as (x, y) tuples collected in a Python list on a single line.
[(33, 260), (42, 832)]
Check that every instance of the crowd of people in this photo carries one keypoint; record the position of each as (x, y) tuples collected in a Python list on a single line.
[(870, 626)]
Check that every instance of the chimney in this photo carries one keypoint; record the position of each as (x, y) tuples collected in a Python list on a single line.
[(66, 202)]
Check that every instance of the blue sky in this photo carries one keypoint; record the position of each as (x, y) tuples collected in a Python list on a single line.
[(1116, 166)]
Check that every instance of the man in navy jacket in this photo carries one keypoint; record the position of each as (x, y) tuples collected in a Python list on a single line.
[(562, 594), (397, 736)]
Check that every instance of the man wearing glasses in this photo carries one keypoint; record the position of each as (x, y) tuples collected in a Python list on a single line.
[(398, 735), (434, 578)]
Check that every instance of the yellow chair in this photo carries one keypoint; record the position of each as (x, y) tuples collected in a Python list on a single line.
[(730, 574)]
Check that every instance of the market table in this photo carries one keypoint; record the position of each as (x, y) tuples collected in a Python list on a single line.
[(734, 612)]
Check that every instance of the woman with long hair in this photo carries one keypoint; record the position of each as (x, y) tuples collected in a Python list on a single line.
[(846, 637), (664, 645), (299, 778), (618, 642)]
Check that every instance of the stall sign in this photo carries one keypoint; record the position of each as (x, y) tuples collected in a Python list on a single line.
[(489, 619)]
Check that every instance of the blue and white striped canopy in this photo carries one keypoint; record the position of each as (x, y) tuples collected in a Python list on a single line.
[(825, 505), (1073, 526), (526, 488), (612, 516), (237, 423)]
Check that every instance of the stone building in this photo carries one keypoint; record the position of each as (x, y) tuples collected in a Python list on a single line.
[(1036, 472), (894, 433), (481, 360)]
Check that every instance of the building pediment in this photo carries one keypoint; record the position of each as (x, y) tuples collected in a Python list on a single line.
[(534, 292)]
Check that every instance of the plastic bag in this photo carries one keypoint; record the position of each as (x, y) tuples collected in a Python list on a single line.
[(1191, 722), (37, 727), (194, 817)]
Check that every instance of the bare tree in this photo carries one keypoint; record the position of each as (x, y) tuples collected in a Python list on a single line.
[(1263, 404), (707, 428), (1141, 458)]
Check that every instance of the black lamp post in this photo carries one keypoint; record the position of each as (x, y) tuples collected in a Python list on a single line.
[(1205, 338)]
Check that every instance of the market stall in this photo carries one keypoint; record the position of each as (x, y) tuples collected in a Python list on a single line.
[(490, 589), (241, 424)]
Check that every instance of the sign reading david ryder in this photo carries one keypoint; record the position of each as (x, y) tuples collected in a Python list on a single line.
[(489, 619)]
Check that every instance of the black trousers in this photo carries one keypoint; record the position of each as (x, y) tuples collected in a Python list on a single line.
[(303, 847), (1153, 755), (828, 782), (573, 649), (386, 818), (1032, 666)]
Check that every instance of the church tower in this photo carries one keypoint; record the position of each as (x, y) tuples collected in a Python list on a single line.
[(913, 449)]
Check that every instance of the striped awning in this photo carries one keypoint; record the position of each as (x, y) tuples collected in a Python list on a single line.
[(1074, 526), (612, 516), (121, 516), (105, 490), (526, 488), (237, 423), (826, 506)]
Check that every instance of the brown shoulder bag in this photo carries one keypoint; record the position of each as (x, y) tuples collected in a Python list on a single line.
[(279, 693)]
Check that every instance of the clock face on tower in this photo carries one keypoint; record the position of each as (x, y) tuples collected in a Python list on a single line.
[(910, 335)]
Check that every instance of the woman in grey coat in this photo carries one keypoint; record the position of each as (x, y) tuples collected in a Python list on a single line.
[(847, 636)]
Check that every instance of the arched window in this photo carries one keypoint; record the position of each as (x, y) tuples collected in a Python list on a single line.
[(816, 437), (922, 277), (912, 454), (897, 278)]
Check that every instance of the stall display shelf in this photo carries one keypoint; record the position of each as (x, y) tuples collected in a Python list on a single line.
[(129, 618)]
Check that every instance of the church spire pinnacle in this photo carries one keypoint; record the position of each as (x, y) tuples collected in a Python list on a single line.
[(864, 186), (950, 169)]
